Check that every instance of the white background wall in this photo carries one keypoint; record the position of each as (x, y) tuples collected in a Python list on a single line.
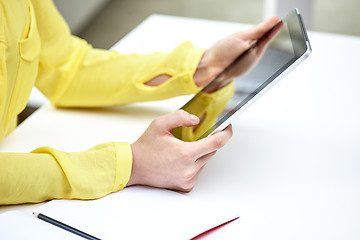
[(118, 17), (78, 13)]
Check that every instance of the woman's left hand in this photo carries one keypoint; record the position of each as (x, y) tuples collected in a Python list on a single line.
[(217, 58)]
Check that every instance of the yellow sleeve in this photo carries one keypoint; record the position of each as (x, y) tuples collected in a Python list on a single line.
[(73, 74), (47, 173)]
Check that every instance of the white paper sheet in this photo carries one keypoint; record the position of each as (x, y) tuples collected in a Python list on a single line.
[(140, 213)]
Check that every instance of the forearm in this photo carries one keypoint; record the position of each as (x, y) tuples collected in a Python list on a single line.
[(98, 77)]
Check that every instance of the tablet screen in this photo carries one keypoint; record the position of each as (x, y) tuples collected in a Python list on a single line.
[(248, 75)]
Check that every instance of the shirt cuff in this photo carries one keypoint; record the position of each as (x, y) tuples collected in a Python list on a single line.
[(123, 165)]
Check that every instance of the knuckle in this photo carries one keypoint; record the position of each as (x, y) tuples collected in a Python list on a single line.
[(187, 187), (189, 175), (157, 122), (219, 142), (187, 180), (181, 113)]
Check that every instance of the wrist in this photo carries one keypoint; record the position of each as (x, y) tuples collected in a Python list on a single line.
[(133, 180), (204, 72)]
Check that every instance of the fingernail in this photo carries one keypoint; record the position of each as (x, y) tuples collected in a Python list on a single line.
[(193, 118)]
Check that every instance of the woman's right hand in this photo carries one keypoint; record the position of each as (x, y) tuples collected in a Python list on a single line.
[(161, 160)]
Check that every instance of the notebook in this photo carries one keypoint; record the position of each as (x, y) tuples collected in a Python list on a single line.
[(136, 212)]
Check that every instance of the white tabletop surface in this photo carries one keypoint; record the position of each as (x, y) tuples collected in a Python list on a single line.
[(292, 168)]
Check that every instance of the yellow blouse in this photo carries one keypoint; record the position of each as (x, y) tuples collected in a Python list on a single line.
[(37, 49)]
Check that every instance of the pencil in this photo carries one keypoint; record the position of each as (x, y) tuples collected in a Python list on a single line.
[(64, 226)]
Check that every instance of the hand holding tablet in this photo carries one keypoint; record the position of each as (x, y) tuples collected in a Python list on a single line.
[(252, 73), (162, 160)]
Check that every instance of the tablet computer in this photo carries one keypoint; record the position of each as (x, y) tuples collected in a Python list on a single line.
[(253, 73)]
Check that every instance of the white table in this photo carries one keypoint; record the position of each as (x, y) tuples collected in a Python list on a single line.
[(292, 168)]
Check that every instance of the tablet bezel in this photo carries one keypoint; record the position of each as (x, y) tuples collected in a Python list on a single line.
[(302, 49)]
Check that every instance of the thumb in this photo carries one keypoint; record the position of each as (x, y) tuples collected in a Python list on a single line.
[(177, 119)]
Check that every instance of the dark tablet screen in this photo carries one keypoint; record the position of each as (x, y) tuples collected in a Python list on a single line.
[(248, 75)]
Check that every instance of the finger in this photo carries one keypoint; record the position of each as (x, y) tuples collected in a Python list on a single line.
[(212, 143), (176, 119), (266, 39), (259, 30), (200, 162), (191, 183)]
